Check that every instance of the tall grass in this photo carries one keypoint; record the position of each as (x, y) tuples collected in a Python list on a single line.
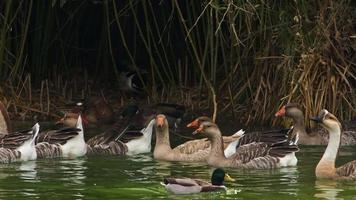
[(244, 58)]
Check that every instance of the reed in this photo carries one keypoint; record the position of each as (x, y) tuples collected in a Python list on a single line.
[(242, 58)]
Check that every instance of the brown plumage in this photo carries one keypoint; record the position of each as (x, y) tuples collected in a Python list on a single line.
[(193, 146), (256, 156), (163, 150), (5, 125), (110, 148), (47, 150), (318, 137), (9, 155), (326, 166), (16, 139), (60, 136)]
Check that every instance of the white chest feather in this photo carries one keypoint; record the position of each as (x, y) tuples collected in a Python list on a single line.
[(75, 147)]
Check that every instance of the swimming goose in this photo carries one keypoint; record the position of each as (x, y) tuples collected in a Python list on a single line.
[(19, 146), (200, 144), (191, 186), (319, 137), (4, 120), (326, 166), (117, 141), (163, 150), (65, 142), (256, 156)]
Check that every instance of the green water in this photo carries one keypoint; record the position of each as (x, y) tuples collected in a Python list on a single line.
[(138, 177)]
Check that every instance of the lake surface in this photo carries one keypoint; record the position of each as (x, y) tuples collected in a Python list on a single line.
[(139, 177)]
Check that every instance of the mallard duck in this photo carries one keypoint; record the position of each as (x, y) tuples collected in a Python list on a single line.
[(246, 138), (94, 111), (65, 142), (191, 186), (319, 137), (326, 166), (5, 126), (19, 146), (254, 156), (163, 150)]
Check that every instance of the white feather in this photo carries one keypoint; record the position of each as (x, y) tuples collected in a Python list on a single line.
[(142, 144), (76, 146), (27, 149), (288, 160), (231, 148)]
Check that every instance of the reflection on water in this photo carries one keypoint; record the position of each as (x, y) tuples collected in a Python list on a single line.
[(139, 177), (327, 189), (28, 171)]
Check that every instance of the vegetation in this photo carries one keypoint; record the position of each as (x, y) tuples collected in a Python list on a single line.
[(252, 55)]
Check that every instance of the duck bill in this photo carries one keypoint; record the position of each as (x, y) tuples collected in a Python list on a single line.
[(199, 130), (316, 119), (281, 112), (228, 178), (193, 124)]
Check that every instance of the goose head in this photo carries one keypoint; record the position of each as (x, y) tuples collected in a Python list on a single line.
[(161, 124), (196, 123), (291, 110), (209, 129), (327, 121)]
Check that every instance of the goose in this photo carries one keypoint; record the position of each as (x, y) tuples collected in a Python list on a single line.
[(200, 144), (19, 146), (163, 150), (5, 126), (320, 137), (191, 186), (116, 141), (65, 142), (326, 166), (253, 156)]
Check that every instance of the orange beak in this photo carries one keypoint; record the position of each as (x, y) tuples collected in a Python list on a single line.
[(199, 130), (160, 121), (281, 112), (193, 124)]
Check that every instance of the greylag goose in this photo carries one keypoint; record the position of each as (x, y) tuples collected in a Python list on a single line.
[(319, 137), (191, 186), (19, 146), (200, 144), (4, 120), (65, 142), (258, 155), (163, 150), (326, 166)]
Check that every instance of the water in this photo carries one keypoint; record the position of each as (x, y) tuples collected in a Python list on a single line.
[(139, 177)]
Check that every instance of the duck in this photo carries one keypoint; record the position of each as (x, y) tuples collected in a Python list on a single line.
[(326, 167), (320, 137), (65, 142), (94, 111), (163, 150), (19, 146), (257, 155), (192, 186), (200, 144), (5, 126)]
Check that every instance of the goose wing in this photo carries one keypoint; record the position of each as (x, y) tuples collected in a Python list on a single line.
[(16, 139), (348, 170), (112, 148), (9, 155), (262, 155), (193, 146), (272, 136), (60, 136)]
